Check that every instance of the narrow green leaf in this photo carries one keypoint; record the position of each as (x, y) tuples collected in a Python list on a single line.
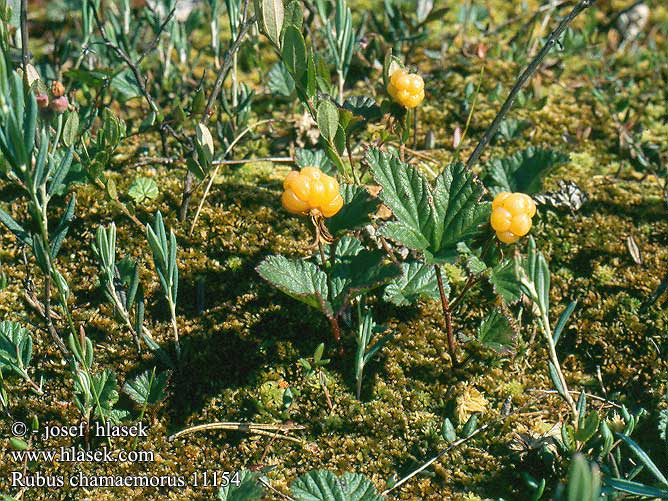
[(61, 172), (523, 172), (328, 120), (470, 425), (71, 129), (636, 488), (554, 376), (643, 458), (271, 14), (563, 320), (583, 482), (63, 226), (294, 53), (588, 428), (448, 432), (496, 332), (15, 228)]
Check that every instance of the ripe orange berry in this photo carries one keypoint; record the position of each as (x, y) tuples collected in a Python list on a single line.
[(501, 219), (507, 237), (293, 203), (407, 89), (333, 207), (520, 224), (311, 189), (511, 216), (498, 200)]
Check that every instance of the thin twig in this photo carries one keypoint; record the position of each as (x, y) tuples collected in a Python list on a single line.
[(581, 6), (452, 446), (213, 175), (270, 430), (274, 489), (227, 62), (574, 392), (218, 85), (134, 66)]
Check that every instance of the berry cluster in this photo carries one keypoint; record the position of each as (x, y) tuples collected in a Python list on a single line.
[(311, 189), (405, 88), (511, 216)]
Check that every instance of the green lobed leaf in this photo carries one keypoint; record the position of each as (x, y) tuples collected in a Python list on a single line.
[(301, 280), (148, 388), (323, 485), (459, 211), (244, 488), (15, 347), (406, 192), (417, 281), (524, 171), (314, 158), (356, 212), (105, 389), (280, 81), (496, 332), (358, 271), (143, 189), (430, 220)]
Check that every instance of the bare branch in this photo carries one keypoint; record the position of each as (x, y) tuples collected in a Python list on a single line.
[(581, 6)]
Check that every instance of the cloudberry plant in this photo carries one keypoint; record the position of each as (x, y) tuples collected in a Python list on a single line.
[(405, 88), (311, 190), (511, 216)]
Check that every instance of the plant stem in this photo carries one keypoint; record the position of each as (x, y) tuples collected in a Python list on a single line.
[(552, 352), (533, 66), (244, 28), (143, 407), (25, 56), (175, 328), (336, 330), (415, 127), (448, 316)]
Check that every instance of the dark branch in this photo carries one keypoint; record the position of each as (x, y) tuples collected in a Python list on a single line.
[(581, 6)]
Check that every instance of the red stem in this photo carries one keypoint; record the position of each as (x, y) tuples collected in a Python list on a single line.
[(448, 316)]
